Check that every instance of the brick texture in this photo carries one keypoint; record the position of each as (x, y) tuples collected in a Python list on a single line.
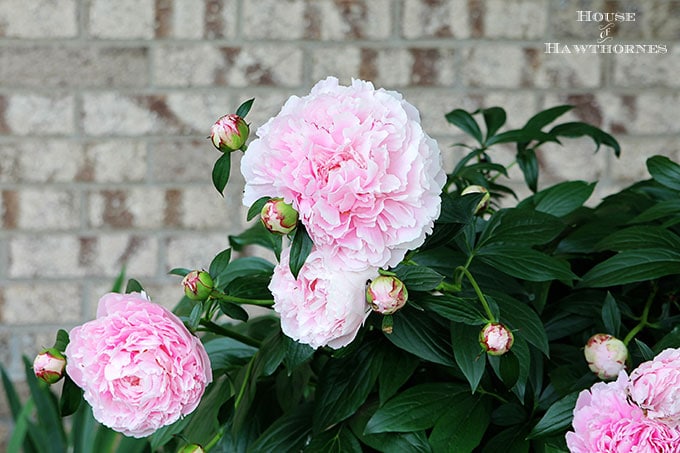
[(105, 107)]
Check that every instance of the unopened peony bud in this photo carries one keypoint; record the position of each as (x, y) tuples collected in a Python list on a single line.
[(191, 448), (386, 294), (278, 216), (198, 285), (496, 339), (606, 355), (229, 133), (484, 202), (49, 365)]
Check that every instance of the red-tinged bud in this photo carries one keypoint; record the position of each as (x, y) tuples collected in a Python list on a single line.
[(191, 448), (198, 285), (229, 133), (386, 294), (278, 216), (48, 366), (606, 355), (483, 204), (496, 339)]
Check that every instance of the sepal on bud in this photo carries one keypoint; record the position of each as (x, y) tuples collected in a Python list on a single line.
[(386, 294), (496, 339), (606, 355), (229, 133), (49, 365), (483, 204), (198, 285), (278, 216)]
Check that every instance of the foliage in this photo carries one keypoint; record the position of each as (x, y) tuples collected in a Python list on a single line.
[(552, 269)]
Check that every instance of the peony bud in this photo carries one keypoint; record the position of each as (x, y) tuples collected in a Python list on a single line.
[(229, 133), (278, 216), (606, 355), (496, 339), (48, 366), (191, 448), (198, 285), (484, 202), (386, 294)]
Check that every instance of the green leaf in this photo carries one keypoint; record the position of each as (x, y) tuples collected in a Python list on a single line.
[(459, 209), (344, 384), (633, 266), (666, 208), (458, 309), (664, 171), (257, 235), (220, 263), (511, 440), (578, 129), (296, 354), (525, 263), (523, 320), (418, 278), (118, 284), (397, 368), (646, 352), (422, 335), (181, 271), (418, 407), (494, 119), (62, 340), (611, 315), (529, 165), (520, 136), (226, 353), (468, 353), (547, 116), (133, 286), (564, 198), (462, 426), (71, 396), (256, 207), (336, 440), (220, 172), (299, 249), (244, 108), (556, 418), (48, 414), (639, 237), (233, 310), (521, 226), (194, 317), (465, 122), (288, 433)]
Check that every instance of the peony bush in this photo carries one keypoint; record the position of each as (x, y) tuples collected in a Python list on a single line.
[(408, 307)]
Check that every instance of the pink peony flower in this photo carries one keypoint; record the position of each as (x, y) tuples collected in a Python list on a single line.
[(655, 387), (604, 421), (49, 365), (496, 339), (606, 355), (139, 367), (229, 133), (326, 305), (386, 294), (357, 166)]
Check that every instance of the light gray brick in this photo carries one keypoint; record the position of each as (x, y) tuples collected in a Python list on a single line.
[(192, 250), (343, 62), (497, 65), (650, 70), (556, 70), (275, 19), (52, 19), (47, 209), (635, 151), (182, 161), (122, 19), (517, 19), (437, 19), (203, 208), (140, 207), (41, 303), (198, 112), (114, 161), (59, 161), (183, 66), (31, 114)]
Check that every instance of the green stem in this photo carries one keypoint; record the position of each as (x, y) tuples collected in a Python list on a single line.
[(644, 318), (214, 440), (212, 327), (240, 300), (478, 291), (494, 395)]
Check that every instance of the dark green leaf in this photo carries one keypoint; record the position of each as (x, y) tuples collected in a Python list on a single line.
[(62, 340), (529, 165), (225, 353), (459, 209), (633, 266), (181, 271), (611, 315), (547, 116), (525, 263), (47, 410), (465, 122), (469, 355), (639, 237), (578, 129), (71, 396), (564, 198), (133, 286), (220, 263), (458, 309), (494, 119), (118, 284), (462, 426), (220, 172), (244, 267), (418, 278), (336, 440), (194, 317), (418, 407), (256, 208), (521, 226), (253, 286), (244, 108), (511, 440), (421, 335), (296, 354), (299, 249), (397, 368), (257, 235), (646, 351), (506, 368), (287, 434), (233, 311), (412, 442), (520, 136), (556, 418), (522, 320), (664, 171), (666, 208)]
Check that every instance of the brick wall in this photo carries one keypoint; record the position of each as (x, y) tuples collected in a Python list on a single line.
[(105, 106)]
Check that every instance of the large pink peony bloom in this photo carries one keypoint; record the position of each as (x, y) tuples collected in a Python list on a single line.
[(358, 167), (326, 305), (604, 421), (655, 387), (139, 367)]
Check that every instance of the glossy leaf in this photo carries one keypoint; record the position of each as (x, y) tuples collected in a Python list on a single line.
[(639, 237), (418, 278), (564, 198), (546, 117), (578, 129), (529, 165), (664, 171), (458, 309), (462, 426), (660, 210), (494, 119), (465, 122), (469, 355), (556, 418), (256, 208), (71, 396), (220, 172), (220, 263), (611, 315), (299, 249), (525, 263), (521, 226), (244, 108), (288, 433), (133, 286), (339, 439), (523, 319), (632, 266), (397, 368)]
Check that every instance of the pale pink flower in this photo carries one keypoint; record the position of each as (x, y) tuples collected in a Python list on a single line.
[(139, 367), (655, 387), (496, 339), (604, 421), (358, 167), (229, 133), (606, 355), (49, 365), (386, 294), (326, 305)]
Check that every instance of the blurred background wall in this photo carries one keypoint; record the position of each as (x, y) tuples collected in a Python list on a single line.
[(105, 106)]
